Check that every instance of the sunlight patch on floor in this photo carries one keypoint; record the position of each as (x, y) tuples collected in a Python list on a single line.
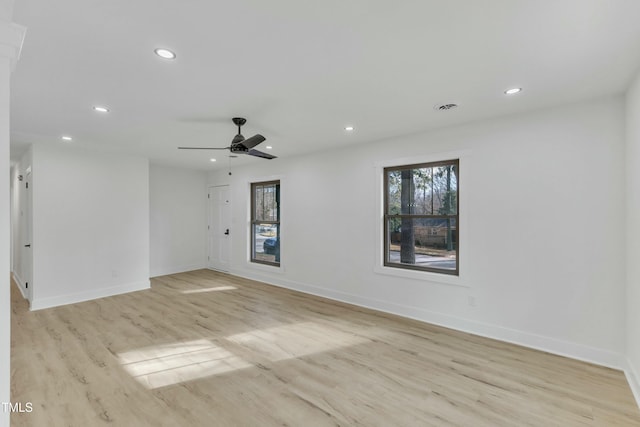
[(167, 364), (219, 288), (295, 340)]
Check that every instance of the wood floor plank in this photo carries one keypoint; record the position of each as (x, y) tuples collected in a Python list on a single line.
[(204, 348)]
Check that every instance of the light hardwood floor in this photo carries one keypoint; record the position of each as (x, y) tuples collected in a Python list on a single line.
[(209, 349)]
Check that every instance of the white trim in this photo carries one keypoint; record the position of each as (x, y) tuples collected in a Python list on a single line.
[(425, 158), (633, 380), (218, 270), (268, 268), (176, 270), (39, 304), (538, 342), (424, 276)]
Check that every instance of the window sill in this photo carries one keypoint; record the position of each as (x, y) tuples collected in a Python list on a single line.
[(265, 267), (423, 276)]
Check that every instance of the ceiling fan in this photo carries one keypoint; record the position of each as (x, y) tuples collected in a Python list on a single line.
[(240, 145)]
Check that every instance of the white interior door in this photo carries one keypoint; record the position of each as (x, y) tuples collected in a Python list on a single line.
[(27, 253), (219, 228)]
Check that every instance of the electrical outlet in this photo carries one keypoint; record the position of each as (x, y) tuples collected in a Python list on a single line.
[(114, 273), (472, 301)]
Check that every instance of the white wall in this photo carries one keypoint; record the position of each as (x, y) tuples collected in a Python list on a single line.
[(11, 37), (5, 296), (178, 220), (633, 236), (6, 10), (90, 225), (542, 252)]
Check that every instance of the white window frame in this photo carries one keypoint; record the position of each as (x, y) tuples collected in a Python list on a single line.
[(464, 158)]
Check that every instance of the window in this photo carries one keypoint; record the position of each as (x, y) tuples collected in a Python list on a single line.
[(421, 226), (265, 222)]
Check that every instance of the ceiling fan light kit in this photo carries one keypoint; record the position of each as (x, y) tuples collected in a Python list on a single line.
[(239, 144)]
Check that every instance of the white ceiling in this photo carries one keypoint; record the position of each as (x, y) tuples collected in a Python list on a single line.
[(300, 71)]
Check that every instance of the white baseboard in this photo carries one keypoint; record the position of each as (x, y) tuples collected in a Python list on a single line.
[(547, 344), (20, 283), (39, 304), (175, 270), (633, 379)]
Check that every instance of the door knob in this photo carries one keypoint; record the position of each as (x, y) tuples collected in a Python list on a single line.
[(27, 246), (226, 232)]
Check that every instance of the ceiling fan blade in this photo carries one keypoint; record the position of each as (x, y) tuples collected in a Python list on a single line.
[(203, 148), (253, 141), (260, 154)]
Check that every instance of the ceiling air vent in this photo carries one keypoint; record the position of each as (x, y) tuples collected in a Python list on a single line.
[(445, 107)]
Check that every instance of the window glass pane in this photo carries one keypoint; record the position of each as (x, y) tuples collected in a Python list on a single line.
[(266, 242), (422, 191), (266, 202), (393, 192), (445, 190), (406, 190), (423, 242)]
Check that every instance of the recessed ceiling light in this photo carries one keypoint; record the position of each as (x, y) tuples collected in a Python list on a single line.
[(268, 147), (212, 160), (100, 109), (349, 128), (165, 53), (67, 138), (513, 91)]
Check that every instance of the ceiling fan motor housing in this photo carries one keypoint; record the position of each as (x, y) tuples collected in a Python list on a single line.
[(237, 139), (237, 147)]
